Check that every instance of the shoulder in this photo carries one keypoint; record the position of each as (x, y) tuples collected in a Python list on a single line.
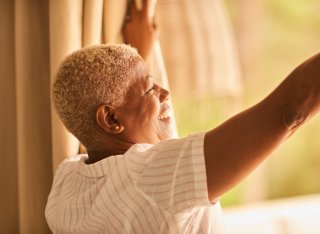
[(170, 144), (68, 166), (142, 158)]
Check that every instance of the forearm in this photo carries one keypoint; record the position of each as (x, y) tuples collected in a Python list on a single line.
[(141, 31), (236, 147), (300, 93), (239, 145)]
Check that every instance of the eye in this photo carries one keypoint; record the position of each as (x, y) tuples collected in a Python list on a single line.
[(150, 91)]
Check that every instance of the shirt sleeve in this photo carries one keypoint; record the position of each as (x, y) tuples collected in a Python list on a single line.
[(172, 173)]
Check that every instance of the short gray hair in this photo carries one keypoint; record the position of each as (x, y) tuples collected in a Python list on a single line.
[(88, 78)]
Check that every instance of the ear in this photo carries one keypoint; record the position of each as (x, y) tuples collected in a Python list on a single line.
[(107, 120)]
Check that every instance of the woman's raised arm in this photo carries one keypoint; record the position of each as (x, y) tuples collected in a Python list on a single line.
[(239, 145)]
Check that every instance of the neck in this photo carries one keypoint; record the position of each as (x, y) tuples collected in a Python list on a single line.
[(95, 156), (110, 148)]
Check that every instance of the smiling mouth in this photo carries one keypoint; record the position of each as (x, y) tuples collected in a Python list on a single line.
[(166, 115)]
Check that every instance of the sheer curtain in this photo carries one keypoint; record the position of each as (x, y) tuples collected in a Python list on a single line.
[(199, 48), (36, 35)]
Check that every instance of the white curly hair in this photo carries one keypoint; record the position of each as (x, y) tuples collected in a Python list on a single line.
[(88, 78)]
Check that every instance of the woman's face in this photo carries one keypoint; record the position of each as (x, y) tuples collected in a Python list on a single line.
[(145, 115)]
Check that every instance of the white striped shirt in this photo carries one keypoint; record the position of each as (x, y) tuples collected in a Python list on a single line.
[(158, 188)]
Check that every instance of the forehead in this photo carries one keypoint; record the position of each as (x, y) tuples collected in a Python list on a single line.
[(140, 70), (141, 74), (139, 83)]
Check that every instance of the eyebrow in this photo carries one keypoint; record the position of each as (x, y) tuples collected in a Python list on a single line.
[(150, 77)]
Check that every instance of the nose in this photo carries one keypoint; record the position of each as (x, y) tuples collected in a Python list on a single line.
[(164, 94)]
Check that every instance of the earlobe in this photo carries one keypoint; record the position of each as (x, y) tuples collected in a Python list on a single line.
[(117, 128), (107, 120)]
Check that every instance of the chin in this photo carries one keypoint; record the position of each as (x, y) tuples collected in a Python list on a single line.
[(167, 134), (165, 129)]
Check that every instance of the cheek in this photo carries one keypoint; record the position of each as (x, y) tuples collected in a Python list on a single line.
[(150, 110), (144, 114), (154, 108)]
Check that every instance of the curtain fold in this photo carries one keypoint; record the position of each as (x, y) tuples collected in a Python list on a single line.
[(32, 74), (199, 48), (65, 37), (9, 215), (92, 22), (113, 16)]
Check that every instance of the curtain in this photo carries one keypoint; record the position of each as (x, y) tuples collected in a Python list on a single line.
[(8, 137), (26, 168), (199, 48), (35, 36)]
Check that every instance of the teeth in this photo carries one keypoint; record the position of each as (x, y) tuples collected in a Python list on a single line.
[(164, 115)]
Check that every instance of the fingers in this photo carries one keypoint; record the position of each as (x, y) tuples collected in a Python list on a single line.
[(145, 8), (156, 29), (155, 21), (134, 13), (133, 8)]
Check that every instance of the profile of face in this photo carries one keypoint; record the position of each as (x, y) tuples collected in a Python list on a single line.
[(145, 116)]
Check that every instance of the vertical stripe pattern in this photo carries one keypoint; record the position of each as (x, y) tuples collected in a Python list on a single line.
[(199, 48), (149, 189)]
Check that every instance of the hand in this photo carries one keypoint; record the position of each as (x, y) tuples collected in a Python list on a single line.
[(140, 30)]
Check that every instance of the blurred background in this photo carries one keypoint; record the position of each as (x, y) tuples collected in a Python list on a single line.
[(272, 37), (238, 52)]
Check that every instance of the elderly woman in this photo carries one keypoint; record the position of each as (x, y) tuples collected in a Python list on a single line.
[(135, 178)]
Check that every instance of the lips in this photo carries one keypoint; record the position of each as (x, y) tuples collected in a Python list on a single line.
[(165, 115)]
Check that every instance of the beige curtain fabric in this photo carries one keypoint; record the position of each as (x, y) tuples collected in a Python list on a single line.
[(199, 48), (35, 36), (33, 112), (9, 215), (26, 163), (65, 37)]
